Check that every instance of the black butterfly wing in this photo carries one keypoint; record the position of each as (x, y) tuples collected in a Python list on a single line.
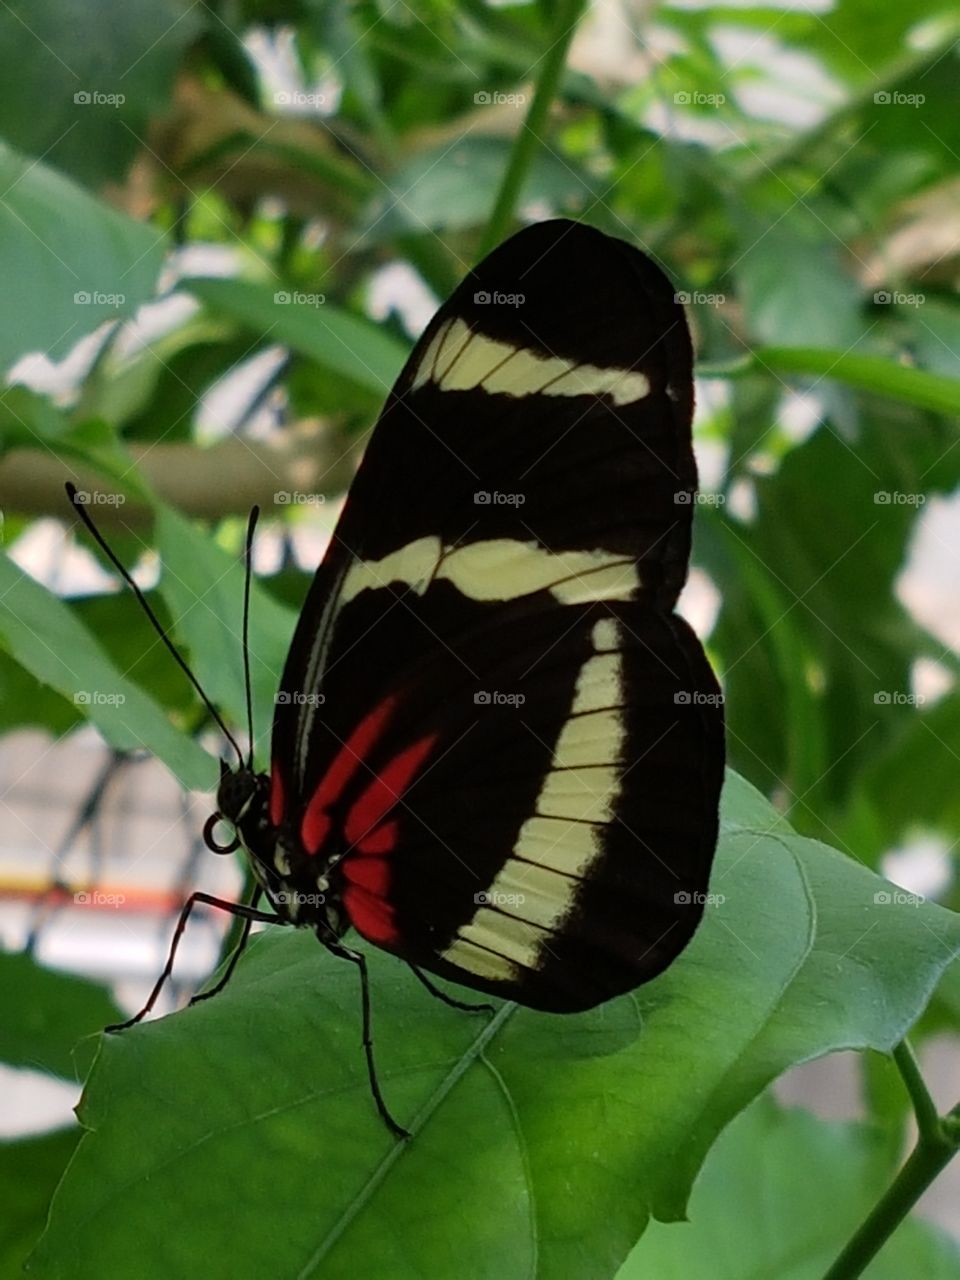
[(519, 528)]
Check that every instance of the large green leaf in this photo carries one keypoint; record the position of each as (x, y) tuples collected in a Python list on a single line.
[(793, 291), (911, 785), (541, 1144), (29, 1171), (45, 636), (808, 1186), (337, 339), (55, 1012), (814, 647), (67, 261), (451, 188), (82, 77)]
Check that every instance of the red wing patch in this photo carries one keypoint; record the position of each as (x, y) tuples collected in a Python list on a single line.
[(367, 871), (385, 790), (277, 797), (316, 819)]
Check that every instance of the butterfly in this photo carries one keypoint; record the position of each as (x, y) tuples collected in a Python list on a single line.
[(497, 749)]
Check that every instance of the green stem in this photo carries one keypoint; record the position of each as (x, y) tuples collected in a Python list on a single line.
[(924, 1107), (528, 139), (937, 1144)]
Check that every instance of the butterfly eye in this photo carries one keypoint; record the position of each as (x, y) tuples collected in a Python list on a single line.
[(214, 845)]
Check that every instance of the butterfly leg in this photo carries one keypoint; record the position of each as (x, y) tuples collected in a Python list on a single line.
[(249, 914), (235, 954), (442, 995), (356, 958)]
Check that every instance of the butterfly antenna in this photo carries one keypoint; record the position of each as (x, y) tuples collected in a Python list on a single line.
[(84, 515), (248, 562)]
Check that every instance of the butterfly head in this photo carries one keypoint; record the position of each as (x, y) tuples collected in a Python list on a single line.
[(243, 801)]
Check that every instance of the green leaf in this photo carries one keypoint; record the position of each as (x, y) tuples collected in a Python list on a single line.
[(452, 188), (337, 339), (916, 387), (203, 587), (794, 291), (82, 80), (809, 1185), (541, 1143), (55, 1012), (44, 635), (67, 261), (911, 784), (29, 1172), (815, 648)]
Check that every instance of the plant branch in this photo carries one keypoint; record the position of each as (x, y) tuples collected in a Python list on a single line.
[(209, 483), (924, 1107), (528, 139), (937, 1143)]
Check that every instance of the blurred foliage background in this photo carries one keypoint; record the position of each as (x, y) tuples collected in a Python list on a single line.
[(223, 224)]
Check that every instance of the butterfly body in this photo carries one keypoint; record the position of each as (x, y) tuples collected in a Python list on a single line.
[(497, 749)]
